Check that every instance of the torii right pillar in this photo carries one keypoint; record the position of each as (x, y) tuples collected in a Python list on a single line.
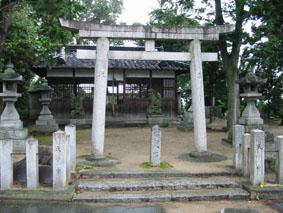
[(200, 138)]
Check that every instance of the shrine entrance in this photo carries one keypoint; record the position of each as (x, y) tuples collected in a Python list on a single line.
[(102, 34)]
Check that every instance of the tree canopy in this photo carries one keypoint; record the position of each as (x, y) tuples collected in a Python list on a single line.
[(239, 50), (31, 32)]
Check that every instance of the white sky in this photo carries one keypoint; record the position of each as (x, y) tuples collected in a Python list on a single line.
[(137, 11)]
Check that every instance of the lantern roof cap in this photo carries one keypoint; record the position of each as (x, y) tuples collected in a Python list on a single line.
[(9, 74)]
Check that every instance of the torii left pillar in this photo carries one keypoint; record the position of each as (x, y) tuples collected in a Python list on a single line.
[(99, 98), (200, 138)]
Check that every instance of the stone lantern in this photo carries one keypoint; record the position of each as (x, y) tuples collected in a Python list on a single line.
[(250, 116), (11, 127), (45, 122)]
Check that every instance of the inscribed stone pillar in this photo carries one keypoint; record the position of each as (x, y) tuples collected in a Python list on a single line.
[(99, 97), (59, 160), (257, 157), (155, 146), (237, 137), (32, 163), (6, 164), (200, 138), (68, 158), (246, 152), (279, 140), (71, 130)]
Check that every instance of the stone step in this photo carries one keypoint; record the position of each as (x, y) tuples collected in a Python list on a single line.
[(147, 174), (164, 196), (139, 184)]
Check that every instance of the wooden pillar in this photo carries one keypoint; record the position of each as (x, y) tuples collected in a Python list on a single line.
[(150, 79), (176, 95), (124, 84), (74, 82)]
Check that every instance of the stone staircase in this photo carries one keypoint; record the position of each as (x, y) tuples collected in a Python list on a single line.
[(157, 187)]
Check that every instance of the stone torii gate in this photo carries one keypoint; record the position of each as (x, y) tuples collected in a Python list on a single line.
[(102, 54)]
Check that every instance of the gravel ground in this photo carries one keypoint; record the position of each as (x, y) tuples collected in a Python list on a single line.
[(131, 147)]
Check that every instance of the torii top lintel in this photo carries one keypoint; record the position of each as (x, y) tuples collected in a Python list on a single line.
[(92, 30)]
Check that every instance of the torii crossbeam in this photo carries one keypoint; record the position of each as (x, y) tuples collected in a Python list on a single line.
[(150, 34)]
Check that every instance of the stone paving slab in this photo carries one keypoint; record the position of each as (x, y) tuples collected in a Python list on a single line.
[(96, 173), (156, 183), (233, 210), (163, 196), (39, 194)]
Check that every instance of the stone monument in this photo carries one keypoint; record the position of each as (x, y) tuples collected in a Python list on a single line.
[(78, 113), (45, 122), (11, 127), (155, 146), (154, 113)]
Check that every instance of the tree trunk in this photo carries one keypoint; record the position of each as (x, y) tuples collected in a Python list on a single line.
[(230, 66), (230, 60)]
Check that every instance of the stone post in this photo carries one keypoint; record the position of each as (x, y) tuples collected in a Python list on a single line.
[(155, 147), (71, 130), (6, 164), (68, 158), (99, 97), (246, 152), (279, 140), (237, 137), (59, 160), (32, 163), (200, 137), (257, 157)]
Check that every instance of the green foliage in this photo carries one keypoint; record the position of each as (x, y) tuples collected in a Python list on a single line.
[(44, 139), (100, 11), (37, 83), (34, 33), (164, 125), (265, 46), (266, 53), (174, 13)]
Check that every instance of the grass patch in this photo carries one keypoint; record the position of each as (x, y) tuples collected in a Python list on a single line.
[(83, 166), (44, 139), (163, 165)]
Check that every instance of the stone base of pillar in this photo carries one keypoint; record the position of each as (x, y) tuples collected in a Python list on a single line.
[(45, 126), (102, 162), (251, 121), (205, 157), (269, 137), (13, 133)]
